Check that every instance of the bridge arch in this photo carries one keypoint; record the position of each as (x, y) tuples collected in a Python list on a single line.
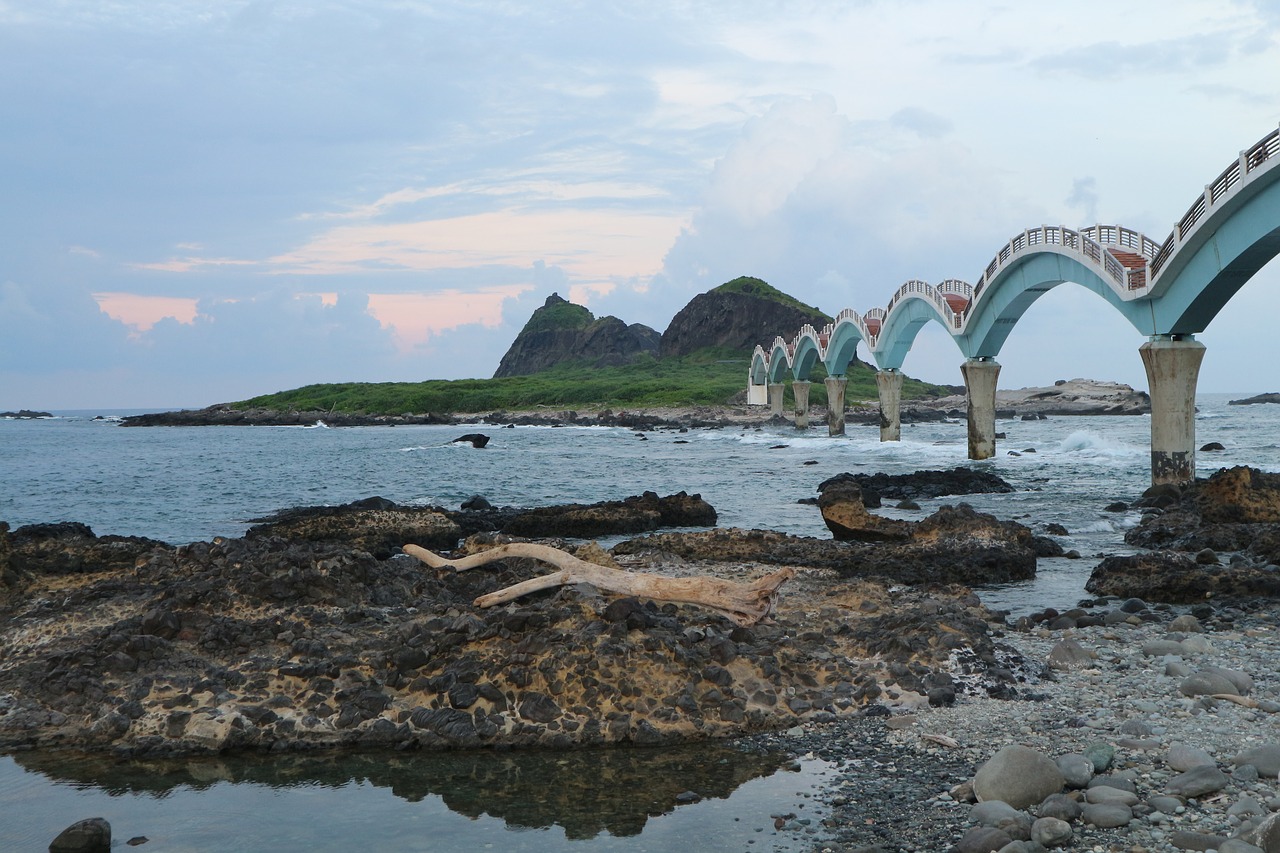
[(1239, 238), (779, 360), (807, 350), (1016, 287), (914, 304), (843, 337)]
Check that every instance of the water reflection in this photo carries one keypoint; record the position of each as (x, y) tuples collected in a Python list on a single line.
[(586, 794)]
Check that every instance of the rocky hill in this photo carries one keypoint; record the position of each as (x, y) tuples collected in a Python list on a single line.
[(737, 315), (561, 331)]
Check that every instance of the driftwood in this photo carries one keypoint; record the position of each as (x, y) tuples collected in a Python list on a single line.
[(744, 603)]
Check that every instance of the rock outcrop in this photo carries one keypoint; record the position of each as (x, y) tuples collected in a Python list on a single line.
[(265, 643), (561, 331), (1064, 397), (1271, 397), (1235, 510), (955, 545), (737, 315)]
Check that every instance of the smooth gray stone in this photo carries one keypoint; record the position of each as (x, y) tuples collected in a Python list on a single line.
[(1051, 832), (1114, 782), (992, 812), (982, 839), (1157, 648), (1076, 770), (1197, 782), (1204, 683), (1265, 757), (1246, 806), (1243, 683), (1186, 840), (1070, 654), (1183, 757), (1196, 644), (1237, 845), (1107, 794), (1107, 815), (1186, 624), (1101, 754), (1267, 836), (1176, 668), (1060, 806), (1165, 805), (1018, 775)]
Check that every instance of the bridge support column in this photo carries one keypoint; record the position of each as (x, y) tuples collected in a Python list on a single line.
[(980, 388), (835, 404), (776, 392), (889, 386), (800, 390), (1173, 367)]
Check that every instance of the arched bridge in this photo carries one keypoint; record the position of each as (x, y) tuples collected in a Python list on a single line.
[(1169, 291)]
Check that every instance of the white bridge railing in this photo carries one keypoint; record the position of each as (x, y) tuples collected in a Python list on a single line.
[(1091, 245)]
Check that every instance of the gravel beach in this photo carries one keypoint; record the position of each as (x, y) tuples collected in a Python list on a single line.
[(902, 782)]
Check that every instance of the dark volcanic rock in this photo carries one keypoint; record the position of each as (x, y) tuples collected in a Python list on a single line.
[(375, 525), (609, 518), (924, 484), (475, 439), (1260, 398), (1236, 509), (561, 331), (224, 414), (71, 548), (25, 414), (737, 315), (1174, 578), (274, 644), (954, 545)]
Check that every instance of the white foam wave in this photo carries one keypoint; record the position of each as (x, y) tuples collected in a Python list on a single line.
[(1089, 443)]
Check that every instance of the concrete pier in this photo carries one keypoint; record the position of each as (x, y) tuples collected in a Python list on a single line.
[(1173, 368), (980, 388), (889, 388), (835, 404), (776, 392), (800, 391)]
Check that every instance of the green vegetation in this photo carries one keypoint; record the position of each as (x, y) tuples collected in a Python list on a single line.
[(707, 377), (559, 315), (758, 287)]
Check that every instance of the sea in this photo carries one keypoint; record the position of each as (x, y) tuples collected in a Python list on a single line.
[(185, 484)]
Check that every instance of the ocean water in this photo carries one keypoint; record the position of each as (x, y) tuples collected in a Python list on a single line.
[(191, 484)]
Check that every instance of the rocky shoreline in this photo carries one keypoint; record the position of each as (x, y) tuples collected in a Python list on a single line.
[(1149, 715), (1066, 397)]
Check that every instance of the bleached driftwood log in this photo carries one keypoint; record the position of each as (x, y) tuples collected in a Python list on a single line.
[(744, 603)]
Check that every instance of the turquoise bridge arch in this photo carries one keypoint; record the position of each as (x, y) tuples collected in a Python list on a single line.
[(1169, 291)]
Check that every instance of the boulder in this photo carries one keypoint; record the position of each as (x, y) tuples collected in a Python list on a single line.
[(922, 485), (373, 525), (635, 514), (1177, 578), (92, 835), (1018, 775), (847, 518)]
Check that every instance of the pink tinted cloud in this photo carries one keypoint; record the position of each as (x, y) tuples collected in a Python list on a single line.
[(590, 245), (143, 312), (415, 317)]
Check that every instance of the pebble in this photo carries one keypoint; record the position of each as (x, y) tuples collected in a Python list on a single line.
[(1147, 743)]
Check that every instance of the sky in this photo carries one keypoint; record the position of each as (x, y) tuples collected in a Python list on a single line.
[(206, 200)]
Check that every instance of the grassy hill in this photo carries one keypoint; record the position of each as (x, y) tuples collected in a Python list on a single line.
[(707, 377)]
